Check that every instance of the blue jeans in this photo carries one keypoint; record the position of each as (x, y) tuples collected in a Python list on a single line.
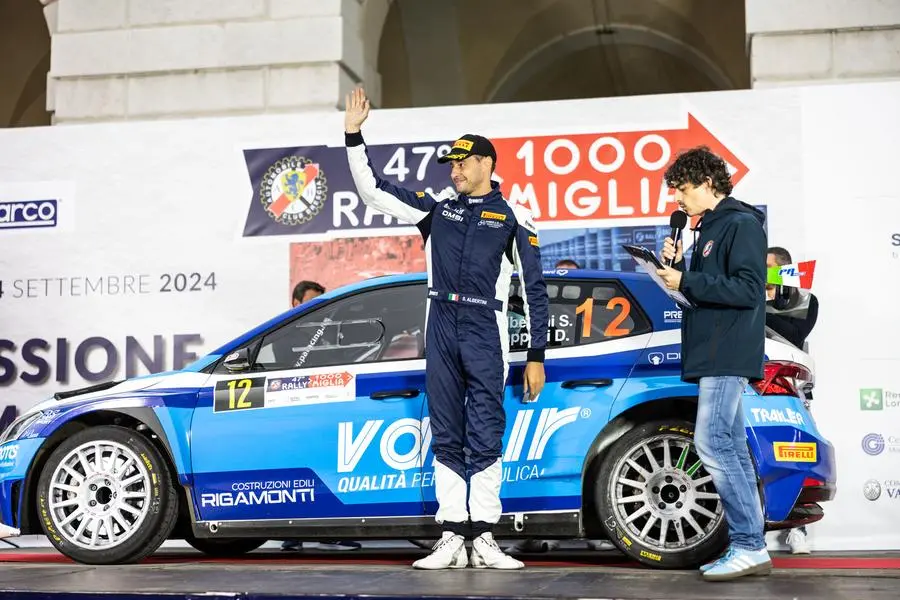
[(721, 442)]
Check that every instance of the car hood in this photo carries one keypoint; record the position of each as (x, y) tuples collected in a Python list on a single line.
[(169, 379)]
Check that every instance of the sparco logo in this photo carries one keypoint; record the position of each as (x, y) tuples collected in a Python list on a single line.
[(36, 213)]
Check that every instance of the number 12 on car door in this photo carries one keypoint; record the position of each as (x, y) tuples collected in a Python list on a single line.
[(240, 394)]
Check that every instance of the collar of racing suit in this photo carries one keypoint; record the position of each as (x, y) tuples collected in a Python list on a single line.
[(494, 195)]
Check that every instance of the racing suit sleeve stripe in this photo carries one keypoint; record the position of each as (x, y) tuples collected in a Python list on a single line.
[(400, 203), (527, 260)]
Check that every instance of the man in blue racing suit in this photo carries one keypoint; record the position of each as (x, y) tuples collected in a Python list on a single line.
[(473, 242)]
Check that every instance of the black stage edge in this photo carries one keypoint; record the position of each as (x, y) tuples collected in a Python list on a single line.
[(349, 582)]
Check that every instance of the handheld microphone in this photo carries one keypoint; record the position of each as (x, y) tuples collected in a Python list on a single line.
[(677, 222)]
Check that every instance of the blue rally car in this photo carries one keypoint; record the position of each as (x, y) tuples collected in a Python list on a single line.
[(314, 425)]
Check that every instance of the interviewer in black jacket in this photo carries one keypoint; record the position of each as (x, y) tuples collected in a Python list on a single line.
[(722, 345)]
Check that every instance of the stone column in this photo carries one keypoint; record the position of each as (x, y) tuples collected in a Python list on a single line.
[(802, 42), (146, 59)]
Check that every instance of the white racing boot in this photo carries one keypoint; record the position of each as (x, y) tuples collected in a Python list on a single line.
[(448, 553), (7, 531), (486, 554)]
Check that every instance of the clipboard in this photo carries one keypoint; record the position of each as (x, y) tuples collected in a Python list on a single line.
[(650, 263)]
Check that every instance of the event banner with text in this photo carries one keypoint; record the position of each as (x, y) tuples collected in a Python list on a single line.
[(604, 176)]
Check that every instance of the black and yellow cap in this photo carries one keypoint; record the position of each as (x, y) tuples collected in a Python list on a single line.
[(470, 145)]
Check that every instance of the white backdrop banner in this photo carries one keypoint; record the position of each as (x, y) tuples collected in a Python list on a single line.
[(852, 211), (132, 248)]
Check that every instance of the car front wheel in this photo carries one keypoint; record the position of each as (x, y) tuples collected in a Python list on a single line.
[(656, 499), (106, 496)]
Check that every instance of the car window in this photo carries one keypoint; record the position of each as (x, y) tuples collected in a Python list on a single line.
[(373, 326), (581, 312)]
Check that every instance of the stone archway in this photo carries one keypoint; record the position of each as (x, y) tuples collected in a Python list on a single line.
[(488, 50), (506, 86), (24, 64), (374, 15)]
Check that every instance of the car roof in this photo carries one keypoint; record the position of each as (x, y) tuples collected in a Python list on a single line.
[(379, 281)]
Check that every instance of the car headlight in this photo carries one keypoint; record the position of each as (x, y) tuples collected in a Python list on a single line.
[(18, 426)]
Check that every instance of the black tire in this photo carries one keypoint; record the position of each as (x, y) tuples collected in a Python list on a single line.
[(700, 545), (224, 547), (146, 532)]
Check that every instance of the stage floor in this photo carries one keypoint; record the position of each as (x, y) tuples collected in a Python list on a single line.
[(383, 574)]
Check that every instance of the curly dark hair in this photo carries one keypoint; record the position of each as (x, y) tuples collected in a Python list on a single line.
[(695, 165)]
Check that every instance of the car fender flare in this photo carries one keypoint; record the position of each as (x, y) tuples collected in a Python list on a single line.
[(55, 431)]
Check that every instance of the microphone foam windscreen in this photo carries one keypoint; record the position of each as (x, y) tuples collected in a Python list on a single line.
[(678, 219)]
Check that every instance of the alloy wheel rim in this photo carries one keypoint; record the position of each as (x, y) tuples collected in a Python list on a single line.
[(663, 495), (99, 495)]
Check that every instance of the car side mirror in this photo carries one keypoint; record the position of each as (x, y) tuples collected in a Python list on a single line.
[(239, 360)]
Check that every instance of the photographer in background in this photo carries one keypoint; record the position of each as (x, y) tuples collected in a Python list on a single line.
[(792, 314), (305, 291), (790, 311)]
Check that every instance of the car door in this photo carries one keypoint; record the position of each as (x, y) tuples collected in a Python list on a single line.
[(326, 423), (597, 332)]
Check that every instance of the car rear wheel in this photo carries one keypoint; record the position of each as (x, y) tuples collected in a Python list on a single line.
[(106, 496), (224, 547), (656, 499)]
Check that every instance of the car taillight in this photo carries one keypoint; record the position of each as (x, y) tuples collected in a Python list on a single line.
[(783, 378), (812, 482)]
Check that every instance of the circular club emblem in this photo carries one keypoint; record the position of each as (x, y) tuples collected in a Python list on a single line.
[(707, 248), (873, 444), (293, 190), (872, 490)]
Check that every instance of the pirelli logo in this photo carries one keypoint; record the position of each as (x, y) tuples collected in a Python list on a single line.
[(795, 451), (533, 239), (486, 214), (464, 144)]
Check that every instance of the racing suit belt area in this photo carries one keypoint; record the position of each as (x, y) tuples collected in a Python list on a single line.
[(472, 246)]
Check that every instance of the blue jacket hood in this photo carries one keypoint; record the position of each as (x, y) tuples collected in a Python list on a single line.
[(728, 206)]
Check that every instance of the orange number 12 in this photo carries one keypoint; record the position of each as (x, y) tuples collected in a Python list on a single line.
[(613, 329)]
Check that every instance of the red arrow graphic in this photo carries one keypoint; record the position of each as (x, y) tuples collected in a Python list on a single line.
[(330, 379), (604, 175)]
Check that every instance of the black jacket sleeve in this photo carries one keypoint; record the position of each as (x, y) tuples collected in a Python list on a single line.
[(744, 285), (793, 329)]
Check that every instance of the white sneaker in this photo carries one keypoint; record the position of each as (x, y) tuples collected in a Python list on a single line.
[(486, 554), (448, 553), (7, 531), (796, 539)]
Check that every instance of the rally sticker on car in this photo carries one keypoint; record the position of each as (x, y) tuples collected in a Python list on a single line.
[(273, 392), (321, 388), (795, 451)]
